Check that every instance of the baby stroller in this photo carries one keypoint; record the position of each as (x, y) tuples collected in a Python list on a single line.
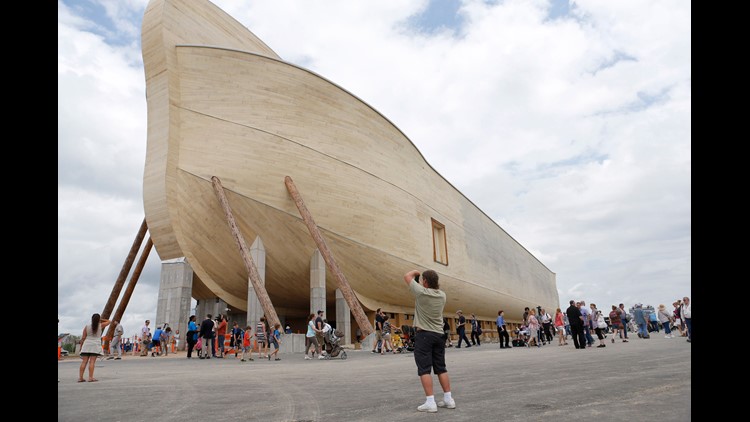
[(521, 338), (408, 333), (332, 339), (398, 344)]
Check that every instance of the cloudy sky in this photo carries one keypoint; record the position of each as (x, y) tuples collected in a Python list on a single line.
[(567, 122)]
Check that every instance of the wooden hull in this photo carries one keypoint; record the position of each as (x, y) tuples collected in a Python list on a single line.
[(221, 103)]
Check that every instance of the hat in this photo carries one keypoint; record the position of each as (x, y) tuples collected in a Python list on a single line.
[(459, 311)]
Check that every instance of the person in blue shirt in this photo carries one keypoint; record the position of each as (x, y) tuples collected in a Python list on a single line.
[(640, 320), (236, 340), (653, 321), (156, 341), (502, 330), (275, 341), (191, 336)]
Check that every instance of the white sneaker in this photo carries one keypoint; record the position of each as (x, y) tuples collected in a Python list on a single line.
[(667, 336), (428, 407), (321, 357), (307, 357), (450, 405)]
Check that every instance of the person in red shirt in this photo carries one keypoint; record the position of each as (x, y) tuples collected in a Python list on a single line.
[(617, 324), (560, 327), (221, 332), (246, 344)]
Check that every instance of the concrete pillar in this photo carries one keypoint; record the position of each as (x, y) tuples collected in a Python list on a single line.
[(292, 343), (318, 283), (368, 343), (200, 311), (254, 310), (343, 317), (213, 306), (239, 317), (175, 290)]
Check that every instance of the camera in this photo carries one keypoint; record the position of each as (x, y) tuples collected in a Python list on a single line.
[(416, 278)]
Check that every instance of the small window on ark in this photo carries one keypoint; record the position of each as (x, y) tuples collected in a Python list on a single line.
[(439, 244)]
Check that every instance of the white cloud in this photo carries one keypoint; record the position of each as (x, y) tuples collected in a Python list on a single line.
[(573, 133)]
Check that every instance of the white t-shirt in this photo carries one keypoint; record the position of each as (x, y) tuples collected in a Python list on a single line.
[(600, 322), (686, 311)]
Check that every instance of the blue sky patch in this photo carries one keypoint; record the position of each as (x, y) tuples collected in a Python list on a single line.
[(439, 15), (618, 57), (558, 9), (101, 24)]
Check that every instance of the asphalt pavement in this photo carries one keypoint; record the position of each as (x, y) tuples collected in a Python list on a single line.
[(644, 379)]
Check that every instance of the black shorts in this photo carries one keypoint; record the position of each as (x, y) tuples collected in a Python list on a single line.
[(429, 352)]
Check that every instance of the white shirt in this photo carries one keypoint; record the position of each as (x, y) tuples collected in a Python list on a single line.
[(600, 322), (685, 310), (586, 314), (145, 331)]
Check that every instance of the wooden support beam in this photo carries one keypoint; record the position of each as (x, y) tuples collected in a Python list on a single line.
[(128, 291), (343, 283), (252, 271), (110, 305)]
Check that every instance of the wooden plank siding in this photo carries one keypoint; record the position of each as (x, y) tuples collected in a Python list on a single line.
[(222, 103)]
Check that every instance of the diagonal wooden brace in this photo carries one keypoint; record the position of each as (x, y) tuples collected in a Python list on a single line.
[(110, 305), (128, 291), (343, 283), (252, 270)]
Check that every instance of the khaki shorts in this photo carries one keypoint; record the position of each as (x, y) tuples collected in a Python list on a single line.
[(378, 335)]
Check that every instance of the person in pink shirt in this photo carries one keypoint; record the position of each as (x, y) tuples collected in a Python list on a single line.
[(560, 327)]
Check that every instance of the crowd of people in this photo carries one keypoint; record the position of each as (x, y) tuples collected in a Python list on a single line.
[(579, 321), (537, 328), (203, 339)]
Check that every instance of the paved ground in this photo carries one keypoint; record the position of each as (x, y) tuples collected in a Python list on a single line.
[(640, 380)]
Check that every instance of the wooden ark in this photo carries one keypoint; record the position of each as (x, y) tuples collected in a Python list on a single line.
[(222, 103)]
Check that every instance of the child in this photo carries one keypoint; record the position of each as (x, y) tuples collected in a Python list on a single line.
[(388, 346), (236, 340), (246, 344), (396, 340), (260, 337), (275, 341)]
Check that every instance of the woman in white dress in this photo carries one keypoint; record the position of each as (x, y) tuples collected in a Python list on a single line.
[(91, 345)]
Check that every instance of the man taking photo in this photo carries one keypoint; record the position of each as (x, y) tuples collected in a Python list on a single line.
[(429, 345)]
